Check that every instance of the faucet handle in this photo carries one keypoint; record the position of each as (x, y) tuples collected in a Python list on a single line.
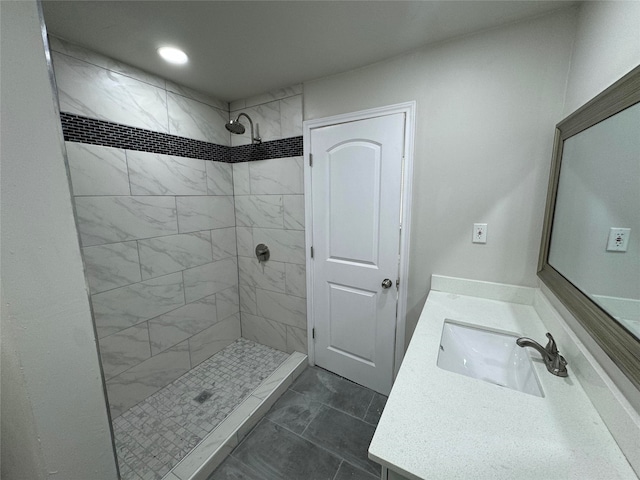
[(559, 366), (551, 347)]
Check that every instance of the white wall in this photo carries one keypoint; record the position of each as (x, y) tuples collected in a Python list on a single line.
[(57, 428), (607, 46), (486, 109)]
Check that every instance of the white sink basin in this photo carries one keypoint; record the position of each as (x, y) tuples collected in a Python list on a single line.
[(487, 355)]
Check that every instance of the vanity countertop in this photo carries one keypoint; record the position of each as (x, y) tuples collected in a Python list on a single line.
[(438, 424)]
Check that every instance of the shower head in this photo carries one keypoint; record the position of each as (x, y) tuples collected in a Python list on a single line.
[(234, 126)]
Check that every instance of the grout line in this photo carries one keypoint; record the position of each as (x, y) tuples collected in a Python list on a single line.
[(142, 279), (117, 72), (191, 365), (153, 238), (336, 455), (286, 338), (149, 335), (368, 407), (147, 195), (126, 161), (211, 243), (251, 469), (338, 469), (337, 409), (300, 435), (184, 290), (164, 274)]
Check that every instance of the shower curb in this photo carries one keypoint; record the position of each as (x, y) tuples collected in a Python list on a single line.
[(200, 462)]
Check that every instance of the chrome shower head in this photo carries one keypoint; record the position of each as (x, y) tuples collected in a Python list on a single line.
[(234, 126)]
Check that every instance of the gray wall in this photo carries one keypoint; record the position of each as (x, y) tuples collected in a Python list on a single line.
[(54, 417), (486, 109)]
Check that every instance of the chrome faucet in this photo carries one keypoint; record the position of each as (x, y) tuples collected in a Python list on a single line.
[(556, 364)]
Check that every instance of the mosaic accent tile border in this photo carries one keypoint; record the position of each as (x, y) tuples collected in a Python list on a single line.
[(154, 435), (287, 147), (77, 128)]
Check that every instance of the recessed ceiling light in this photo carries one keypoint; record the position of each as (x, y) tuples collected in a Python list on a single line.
[(173, 55)]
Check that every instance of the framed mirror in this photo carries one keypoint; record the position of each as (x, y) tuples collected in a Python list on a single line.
[(590, 251)]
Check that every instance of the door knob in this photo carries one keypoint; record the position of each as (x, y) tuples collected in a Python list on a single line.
[(386, 283)]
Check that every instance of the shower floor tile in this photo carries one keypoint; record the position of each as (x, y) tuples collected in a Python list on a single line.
[(154, 435)]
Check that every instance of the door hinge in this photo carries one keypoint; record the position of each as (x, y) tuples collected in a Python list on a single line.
[(311, 252), (311, 160), (313, 333)]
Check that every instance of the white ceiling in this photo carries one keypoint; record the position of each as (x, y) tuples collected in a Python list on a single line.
[(238, 49)]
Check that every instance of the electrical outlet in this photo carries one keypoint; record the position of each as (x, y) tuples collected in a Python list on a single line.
[(618, 239), (479, 233)]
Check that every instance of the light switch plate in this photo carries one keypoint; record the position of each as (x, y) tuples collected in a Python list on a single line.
[(479, 233), (618, 239)]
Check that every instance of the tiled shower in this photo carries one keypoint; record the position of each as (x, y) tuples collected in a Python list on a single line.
[(160, 254), (169, 212)]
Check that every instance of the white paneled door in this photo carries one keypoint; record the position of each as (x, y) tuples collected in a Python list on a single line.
[(356, 187)]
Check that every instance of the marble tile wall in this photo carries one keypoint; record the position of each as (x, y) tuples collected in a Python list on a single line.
[(269, 205), (168, 241), (159, 244), (275, 115), (98, 87)]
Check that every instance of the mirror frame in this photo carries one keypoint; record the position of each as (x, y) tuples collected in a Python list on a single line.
[(617, 342)]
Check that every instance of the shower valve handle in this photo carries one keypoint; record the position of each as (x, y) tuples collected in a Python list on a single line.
[(262, 252)]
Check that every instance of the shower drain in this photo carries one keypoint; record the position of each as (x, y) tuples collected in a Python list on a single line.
[(203, 397)]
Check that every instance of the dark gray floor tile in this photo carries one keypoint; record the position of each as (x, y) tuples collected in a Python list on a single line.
[(294, 411), (375, 409), (278, 454), (234, 469), (335, 391), (344, 435), (349, 472)]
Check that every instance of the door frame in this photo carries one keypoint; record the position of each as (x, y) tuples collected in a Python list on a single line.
[(409, 109)]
